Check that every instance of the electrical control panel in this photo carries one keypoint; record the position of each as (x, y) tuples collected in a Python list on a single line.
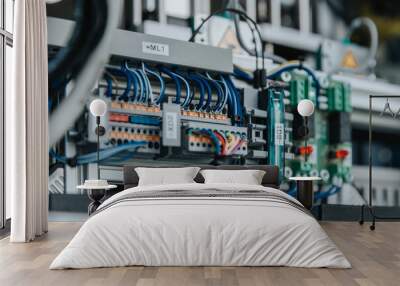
[(162, 109)]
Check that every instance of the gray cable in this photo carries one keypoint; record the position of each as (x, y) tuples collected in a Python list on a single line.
[(374, 41), (370, 63), (75, 102)]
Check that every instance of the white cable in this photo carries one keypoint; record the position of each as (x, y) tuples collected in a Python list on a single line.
[(162, 84), (227, 94), (75, 102), (143, 95), (149, 89), (143, 86)]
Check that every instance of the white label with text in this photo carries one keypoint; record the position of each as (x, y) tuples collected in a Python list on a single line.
[(279, 134), (155, 49), (172, 125)]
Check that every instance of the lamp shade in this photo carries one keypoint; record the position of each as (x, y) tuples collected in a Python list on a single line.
[(305, 107), (98, 107)]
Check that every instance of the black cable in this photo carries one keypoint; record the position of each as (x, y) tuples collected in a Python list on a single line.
[(57, 65), (240, 13), (99, 14), (254, 40), (239, 36), (236, 21), (275, 58), (90, 17)]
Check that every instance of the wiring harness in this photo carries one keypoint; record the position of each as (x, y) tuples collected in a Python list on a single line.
[(189, 87), (103, 154), (225, 143)]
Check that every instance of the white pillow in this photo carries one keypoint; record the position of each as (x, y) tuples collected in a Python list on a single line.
[(248, 177), (166, 176)]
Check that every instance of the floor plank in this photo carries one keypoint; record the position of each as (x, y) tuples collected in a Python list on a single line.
[(375, 257)]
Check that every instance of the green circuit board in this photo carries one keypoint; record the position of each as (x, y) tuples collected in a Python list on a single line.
[(330, 158)]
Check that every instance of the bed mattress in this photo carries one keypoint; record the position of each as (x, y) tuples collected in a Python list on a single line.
[(201, 225)]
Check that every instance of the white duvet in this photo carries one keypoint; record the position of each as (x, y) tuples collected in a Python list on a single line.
[(200, 231)]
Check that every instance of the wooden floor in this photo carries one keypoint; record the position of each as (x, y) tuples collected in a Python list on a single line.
[(375, 257)]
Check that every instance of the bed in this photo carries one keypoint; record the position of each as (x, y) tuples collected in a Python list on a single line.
[(197, 224)]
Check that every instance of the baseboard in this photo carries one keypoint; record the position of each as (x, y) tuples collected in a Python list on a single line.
[(352, 213), (5, 231), (68, 202), (79, 203)]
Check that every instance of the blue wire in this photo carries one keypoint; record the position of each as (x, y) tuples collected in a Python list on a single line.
[(239, 109), (117, 72), (330, 192), (225, 94), (231, 98), (213, 137), (219, 93), (189, 94), (107, 151), (146, 84), (134, 83), (218, 88), (141, 85), (177, 83), (108, 92), (300, 67), (206, 81), (162, 85), (104, 154), (199, 83), (143, 94), (127, 90), (238, 73), (59, 158), (292, 192), (134, 78), (221, 101), (119, 160), (139, 82)]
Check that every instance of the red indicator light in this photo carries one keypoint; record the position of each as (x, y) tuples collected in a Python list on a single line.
[(306, 150), (342, 154)]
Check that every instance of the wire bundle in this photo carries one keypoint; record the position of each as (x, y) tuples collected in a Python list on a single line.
[(104, 154), (333, 189), (244, 75), (225, 144), (211, 135), (330, 192), (138, 78), (139, 89), (230, 143)]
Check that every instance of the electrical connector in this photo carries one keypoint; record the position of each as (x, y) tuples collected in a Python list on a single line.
[(260, 78)]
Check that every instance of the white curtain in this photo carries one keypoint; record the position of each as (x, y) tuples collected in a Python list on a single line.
[(27, 123)]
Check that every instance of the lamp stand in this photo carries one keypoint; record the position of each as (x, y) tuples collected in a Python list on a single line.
[(98, 146), (306, 131)]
